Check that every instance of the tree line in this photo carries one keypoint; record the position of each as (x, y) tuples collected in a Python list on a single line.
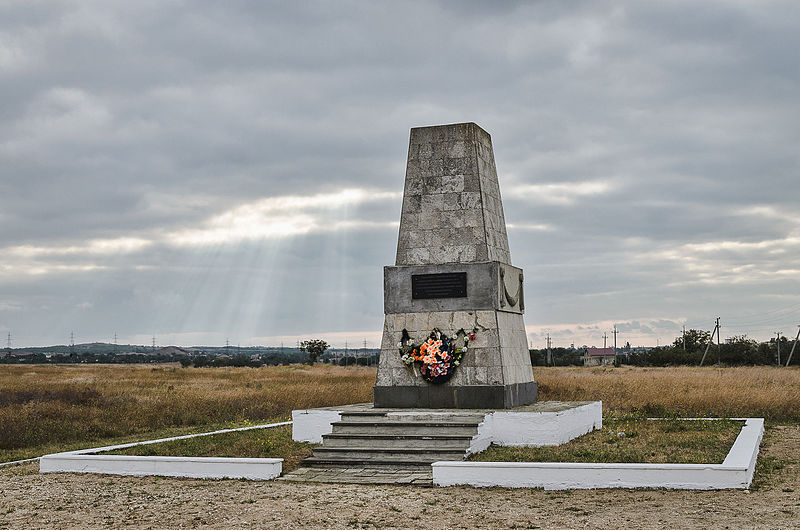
[(687, 350)]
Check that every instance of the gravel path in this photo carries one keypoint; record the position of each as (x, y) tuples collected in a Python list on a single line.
[(30, 500)]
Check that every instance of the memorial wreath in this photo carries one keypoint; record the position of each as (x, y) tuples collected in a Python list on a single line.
[(438, 356)]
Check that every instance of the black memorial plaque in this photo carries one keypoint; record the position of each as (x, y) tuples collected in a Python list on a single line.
[(442, 285)]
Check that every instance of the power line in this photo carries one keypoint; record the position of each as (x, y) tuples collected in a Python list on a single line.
[(778, 310)]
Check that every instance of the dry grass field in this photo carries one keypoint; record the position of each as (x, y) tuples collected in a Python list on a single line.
[(744, 391), (46, 408)]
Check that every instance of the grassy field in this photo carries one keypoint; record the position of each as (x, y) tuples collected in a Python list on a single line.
[(747, 391), (633, 438), (48, 408)]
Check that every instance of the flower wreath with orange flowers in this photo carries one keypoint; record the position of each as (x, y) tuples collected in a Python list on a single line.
[(438, 356)]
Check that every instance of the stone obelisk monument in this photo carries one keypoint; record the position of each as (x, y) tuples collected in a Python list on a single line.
[(453, 276)]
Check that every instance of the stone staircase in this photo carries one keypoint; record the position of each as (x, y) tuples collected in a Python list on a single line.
[(381, 447)]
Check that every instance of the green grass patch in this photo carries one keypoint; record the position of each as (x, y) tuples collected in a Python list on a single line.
[(631, 438), (274, 442)]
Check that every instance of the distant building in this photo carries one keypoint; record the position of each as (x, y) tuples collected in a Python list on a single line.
[(599, 357)]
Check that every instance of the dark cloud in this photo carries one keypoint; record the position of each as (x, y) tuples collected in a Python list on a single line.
[(647, 156)]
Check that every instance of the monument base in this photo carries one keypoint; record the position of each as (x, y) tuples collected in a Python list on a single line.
[(456, 397)]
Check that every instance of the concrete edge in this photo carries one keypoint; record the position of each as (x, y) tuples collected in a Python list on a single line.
[(736, 471), (93, 461), (536, 429)]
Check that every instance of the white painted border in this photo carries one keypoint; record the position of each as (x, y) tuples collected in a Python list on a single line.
[(736, 471), (536, 429), (88, 461)]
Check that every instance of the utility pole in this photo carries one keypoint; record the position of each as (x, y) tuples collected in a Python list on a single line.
[(793, 346), (154, 342), (710, 341), (778, 344), (605, 336), (615, 338), (369, 359), (684, 339), (8, 344), (549, 352), (345, 353)]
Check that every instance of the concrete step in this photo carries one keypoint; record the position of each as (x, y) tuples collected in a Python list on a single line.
[(389, 453), (404, 427), (358, 416), (396, 440), (412, 416), (398, 475), (400, 445), (393, 463)]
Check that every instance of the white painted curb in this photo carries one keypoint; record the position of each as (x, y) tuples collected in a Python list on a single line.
[(163, 466), (89, 461), (735, 472)]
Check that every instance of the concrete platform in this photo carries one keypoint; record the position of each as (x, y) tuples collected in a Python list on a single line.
[(537, 424)]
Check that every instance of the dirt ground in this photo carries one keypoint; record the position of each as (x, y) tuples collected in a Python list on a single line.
[(30, 500)]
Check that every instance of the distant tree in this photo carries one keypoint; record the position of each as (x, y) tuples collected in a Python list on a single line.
[(314, 348), (201, 361), (536, 358), (695, 339)]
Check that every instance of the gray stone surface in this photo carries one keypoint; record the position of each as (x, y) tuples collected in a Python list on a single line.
[(417, 476), (490, 285), (452, 210)]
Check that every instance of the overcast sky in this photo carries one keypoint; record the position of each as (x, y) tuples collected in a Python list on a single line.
[(203, 171)]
